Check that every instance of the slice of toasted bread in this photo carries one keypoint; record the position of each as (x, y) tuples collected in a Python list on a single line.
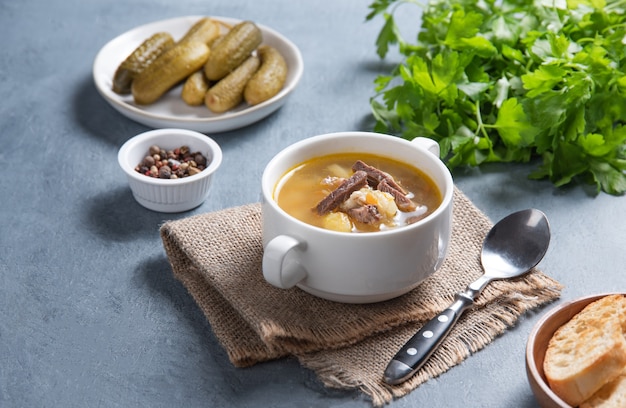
[(612, 395), (588, 351)]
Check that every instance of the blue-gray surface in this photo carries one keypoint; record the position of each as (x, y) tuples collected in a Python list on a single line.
[(90, 314)]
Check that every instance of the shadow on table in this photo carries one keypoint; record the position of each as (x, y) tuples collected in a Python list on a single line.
[(115, 215), (98, 118), (155, 273), (192, 344), (509, 183), (101, 120), (210, 367)]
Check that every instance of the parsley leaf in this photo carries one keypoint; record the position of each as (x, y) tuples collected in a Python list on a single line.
[(513, 125)]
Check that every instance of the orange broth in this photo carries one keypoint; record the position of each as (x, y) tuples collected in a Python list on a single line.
[(300, 189)]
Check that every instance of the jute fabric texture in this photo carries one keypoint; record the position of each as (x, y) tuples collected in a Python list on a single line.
[(217, 257)]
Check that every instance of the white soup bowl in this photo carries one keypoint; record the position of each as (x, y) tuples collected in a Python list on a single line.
[(355, 267)]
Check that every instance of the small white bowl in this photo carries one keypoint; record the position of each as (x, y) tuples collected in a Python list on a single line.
[(166, 195)]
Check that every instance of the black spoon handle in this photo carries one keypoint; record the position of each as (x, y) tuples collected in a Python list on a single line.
[(421, 346)]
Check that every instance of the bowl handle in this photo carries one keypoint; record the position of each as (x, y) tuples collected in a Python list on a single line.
[(428, 144), (275, 270)]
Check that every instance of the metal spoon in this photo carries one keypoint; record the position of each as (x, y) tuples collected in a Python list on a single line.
[(512, 247)]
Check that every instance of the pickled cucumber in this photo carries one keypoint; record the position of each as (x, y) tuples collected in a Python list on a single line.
[(204, 30), (270, 77), (195, 88), (228, 92), (232, 50), (139, 59), (167, 70)]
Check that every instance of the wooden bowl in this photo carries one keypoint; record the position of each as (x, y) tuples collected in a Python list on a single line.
[(538, 343)]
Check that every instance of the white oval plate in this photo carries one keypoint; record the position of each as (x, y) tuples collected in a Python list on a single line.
[(171, 110)]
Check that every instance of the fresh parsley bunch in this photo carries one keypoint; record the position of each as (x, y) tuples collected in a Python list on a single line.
[(509, 80)]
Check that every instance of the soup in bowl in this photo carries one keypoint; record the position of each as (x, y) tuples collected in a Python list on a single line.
[(357, 192), (355, 217)]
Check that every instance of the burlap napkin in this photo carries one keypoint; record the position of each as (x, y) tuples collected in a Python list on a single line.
[(217, 256)]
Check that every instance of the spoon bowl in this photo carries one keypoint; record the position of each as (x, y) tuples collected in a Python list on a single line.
[(514, 246), (526, 230)]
